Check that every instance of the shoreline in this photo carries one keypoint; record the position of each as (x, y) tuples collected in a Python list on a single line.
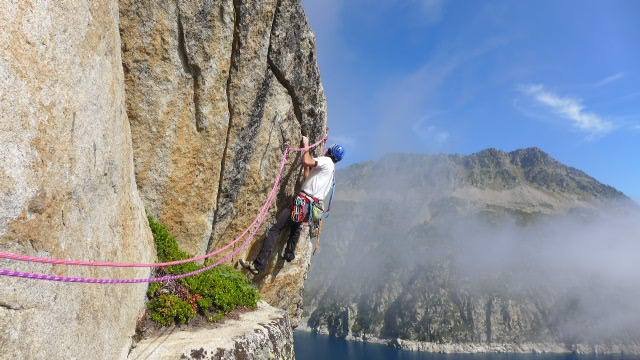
[(497, 348)]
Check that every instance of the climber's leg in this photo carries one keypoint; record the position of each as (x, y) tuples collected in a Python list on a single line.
[(283, 220), (294, 235)]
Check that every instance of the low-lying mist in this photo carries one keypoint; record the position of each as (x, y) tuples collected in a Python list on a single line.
[(577, 263)]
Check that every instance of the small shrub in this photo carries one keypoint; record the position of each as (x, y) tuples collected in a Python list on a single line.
[(205, 304), (166, 245), (226, 288), (356, 328), (153, 288), (212, 293), (168, 309)]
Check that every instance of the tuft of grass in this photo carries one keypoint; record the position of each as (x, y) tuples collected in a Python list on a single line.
[(226, 288), (153, 289), (168, 309), (212, 293), (166, 244)]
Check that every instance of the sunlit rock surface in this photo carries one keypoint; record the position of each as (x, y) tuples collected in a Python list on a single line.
[(263, 334), (215, 92), (67, 187), (193, 100)]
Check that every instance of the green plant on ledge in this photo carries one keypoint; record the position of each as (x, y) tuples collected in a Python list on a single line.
[(167, 308), (211, 294)]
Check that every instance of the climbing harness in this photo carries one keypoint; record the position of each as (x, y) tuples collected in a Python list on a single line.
[(306, 208), (249, 234), (300, 208)]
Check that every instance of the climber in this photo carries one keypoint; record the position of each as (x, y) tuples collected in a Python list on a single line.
[(319, 176)]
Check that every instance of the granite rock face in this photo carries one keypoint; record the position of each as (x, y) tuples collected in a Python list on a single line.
[(263, 334), (180, 107), (283, 282), (67, 186), (176, 59), (215, 91)]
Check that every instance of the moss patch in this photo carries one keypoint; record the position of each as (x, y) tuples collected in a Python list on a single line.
[(168, 309), (212, 294)]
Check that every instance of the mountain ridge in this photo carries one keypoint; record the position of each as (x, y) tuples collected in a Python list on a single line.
[(472, 248), (529, 158)]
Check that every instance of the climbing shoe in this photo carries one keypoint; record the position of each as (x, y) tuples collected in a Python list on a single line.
[(289, 256), (249, 266)]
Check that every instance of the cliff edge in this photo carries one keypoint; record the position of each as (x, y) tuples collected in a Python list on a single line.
[(261, 334)]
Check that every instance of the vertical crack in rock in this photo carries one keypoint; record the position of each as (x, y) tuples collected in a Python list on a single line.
[(195, 72), (232, 64), (290, 90), (243, 149), (245, 146), (279, 75), (297, 71)]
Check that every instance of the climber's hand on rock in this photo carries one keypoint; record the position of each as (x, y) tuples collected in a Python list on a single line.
[(305, 141)]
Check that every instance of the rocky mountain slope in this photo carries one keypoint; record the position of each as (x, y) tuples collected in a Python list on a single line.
[(109, 108), (490, 248)]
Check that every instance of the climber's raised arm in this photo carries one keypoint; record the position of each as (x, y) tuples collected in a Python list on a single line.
[(307, 160)]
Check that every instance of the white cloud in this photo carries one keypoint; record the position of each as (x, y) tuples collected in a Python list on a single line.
[(571, 109), (609, 79), (429, 132)]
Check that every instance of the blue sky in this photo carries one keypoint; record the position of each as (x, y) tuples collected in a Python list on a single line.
[(433, 76)]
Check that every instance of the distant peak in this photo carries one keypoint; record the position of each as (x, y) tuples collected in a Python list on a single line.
[(490, 151), (531, 156), (530, 151), (490, 155)]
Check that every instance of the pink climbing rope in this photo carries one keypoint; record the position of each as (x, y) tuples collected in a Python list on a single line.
[(251, 230)]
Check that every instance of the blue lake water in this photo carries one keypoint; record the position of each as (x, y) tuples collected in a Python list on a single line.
[(320, 347)]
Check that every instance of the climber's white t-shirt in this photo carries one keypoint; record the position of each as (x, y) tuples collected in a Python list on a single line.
[(320, 178)]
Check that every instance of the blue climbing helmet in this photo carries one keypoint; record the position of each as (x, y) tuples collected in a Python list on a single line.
[(336, 152)]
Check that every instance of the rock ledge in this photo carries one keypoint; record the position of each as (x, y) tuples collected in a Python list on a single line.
[(261, 334)]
